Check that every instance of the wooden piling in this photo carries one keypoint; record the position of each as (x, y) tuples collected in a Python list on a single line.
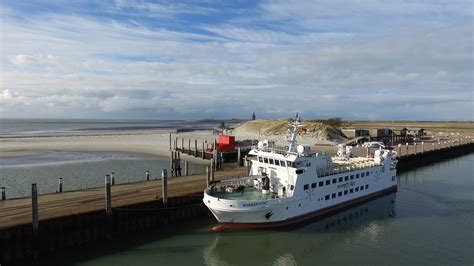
[(147, 175), (175, 143), (164, 186), (212, 170), (195, 148), (112, 177), (203, 151), (178, 164), (108, 195), (186, 168), (246, 164), (170, 141), (182, 144), (34, 207), (4, 197), (189, 146), (208, 174), (60, 185), (239, 163)]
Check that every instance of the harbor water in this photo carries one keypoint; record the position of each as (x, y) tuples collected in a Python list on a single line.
[(429, 221)]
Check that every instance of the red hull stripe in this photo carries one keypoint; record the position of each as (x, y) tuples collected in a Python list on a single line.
[(319, 213)]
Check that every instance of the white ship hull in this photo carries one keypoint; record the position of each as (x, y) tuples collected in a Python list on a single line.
[(286, 187)]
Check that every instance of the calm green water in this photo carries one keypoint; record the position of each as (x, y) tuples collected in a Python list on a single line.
[(429, 221)]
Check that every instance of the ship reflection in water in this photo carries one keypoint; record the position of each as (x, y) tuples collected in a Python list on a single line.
[(290, 246)]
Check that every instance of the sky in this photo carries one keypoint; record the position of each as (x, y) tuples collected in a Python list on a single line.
[(360, 60)]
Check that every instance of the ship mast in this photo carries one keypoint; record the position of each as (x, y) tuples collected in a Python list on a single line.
[(294, 128)]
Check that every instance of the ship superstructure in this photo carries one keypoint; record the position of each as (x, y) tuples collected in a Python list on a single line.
[(291, 185)]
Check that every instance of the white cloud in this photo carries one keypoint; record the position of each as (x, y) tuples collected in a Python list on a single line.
[(37, 59)]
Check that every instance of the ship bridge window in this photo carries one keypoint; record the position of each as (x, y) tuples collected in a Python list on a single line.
[(328, 182), (346, 178), (352, 177), (357, 189), (361, 187), (291, 164), (362, 175), (265, 160), (357, 176), (306, 187), (299, 171), (326, 197), (351, 190), (321, 183), (271, 161), (313, 185), (282, 163), (366, 186), (334, 181), (340, 179), (260, 159), (277, 162), (367, 174), (333, 195)]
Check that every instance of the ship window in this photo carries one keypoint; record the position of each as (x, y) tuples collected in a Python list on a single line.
[(292, 187), (362, 188), (357, 189), (393, 178), (351, 190), (352, 177), (339, 193), (346, 178), (260, 159), (265, 160), (283, 163), (277, 162), (306, 187), (328, 182), (334, 181), (345, 192), (362, 175), (299, 171), (313, 185), (357, 176), (333, 195), (340, 179), (327, 197), (367, 174), (366, 186), (321, 183), (271, 161)]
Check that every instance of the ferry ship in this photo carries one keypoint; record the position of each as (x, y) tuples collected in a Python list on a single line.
[(286, 186)]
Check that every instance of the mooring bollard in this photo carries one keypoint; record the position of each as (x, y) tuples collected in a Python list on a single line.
[(60, 185), (4, 197), (108, 195), (208, 173), (164, 186), (112, 177), (147, 174), (34, 207)]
